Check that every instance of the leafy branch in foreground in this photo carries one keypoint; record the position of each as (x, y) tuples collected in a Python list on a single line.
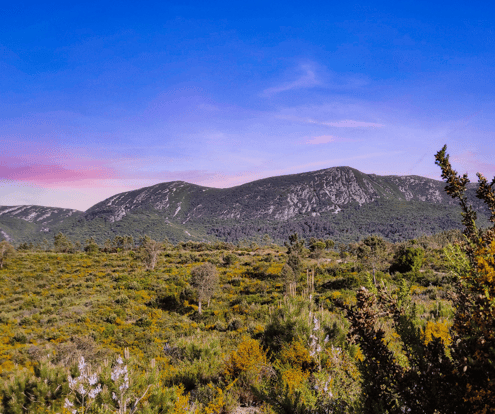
[(453, 374)]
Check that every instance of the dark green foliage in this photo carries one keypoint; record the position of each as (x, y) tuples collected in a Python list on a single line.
[(91, 246), (229, 259), (32, 393), (329, 244), (408, 259), (317, 247), (295, 245), (295, 263), (347, 281), (282, 402), (295, 249), (122, 243), (284, 326)]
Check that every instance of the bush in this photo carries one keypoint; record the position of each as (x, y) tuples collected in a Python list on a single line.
[(408, 259), (443, 370)]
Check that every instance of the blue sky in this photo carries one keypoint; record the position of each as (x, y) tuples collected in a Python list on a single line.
[(100, 98)]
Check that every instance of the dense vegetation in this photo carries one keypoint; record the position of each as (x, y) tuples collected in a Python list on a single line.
[(311, 327), (258, 342)]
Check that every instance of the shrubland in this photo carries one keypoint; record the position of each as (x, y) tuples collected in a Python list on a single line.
[(254, 344), (310, 327)]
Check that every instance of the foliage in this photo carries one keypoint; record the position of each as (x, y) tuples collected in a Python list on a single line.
[(408, 258), (149, 250), (6, 251), (317, 247), (371, 250), (288, 276), (247, 365), (204, 280), (417, 377), (435, 369), (45, 387), (62, 244), (295, 245), (91, 246), (58, 307)]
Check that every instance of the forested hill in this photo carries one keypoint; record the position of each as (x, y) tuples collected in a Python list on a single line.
[(340, 203)]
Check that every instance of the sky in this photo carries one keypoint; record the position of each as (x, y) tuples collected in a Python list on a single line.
[(98, 98)]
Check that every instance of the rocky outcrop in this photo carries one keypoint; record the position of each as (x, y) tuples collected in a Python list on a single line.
[(275, 198), (38, 214)]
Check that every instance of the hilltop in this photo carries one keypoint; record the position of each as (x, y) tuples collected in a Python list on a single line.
[(340, 203)]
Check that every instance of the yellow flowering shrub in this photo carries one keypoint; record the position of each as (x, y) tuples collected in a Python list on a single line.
[(439, 330), (296, 354), (181, 405), (249, 358), (294, 378)]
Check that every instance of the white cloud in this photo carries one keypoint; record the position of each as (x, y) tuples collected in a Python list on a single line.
[(307, 80), (345, 123)]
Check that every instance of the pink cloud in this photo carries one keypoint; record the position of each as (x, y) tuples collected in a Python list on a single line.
[(46, 172), (472, 164)]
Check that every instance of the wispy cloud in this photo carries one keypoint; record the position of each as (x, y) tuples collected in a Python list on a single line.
[(307, 80), (325, 139), (322, 139), (345, 123)]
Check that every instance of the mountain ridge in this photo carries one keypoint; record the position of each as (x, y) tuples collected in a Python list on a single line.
[(180, 210)]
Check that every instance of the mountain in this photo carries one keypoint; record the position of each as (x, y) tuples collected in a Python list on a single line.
[(340, 203), (22, 223)]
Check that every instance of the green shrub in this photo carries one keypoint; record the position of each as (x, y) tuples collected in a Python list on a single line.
[(408, 259)]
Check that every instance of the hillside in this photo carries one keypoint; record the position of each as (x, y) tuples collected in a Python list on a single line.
[(340, 202)]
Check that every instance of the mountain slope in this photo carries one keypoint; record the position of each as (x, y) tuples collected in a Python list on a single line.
[(23, 223), (276, 198), (340, 202)]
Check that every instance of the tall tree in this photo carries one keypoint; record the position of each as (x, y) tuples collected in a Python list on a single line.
[(62, 244), (295, 248), (150, 249), (6, 250), (370, 251), (204, 280)]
